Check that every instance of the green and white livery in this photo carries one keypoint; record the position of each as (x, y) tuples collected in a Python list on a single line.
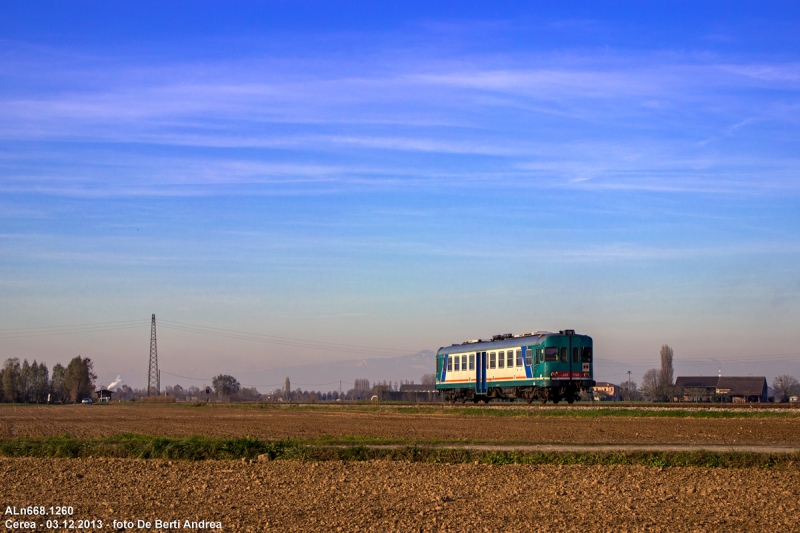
[(533, 366)]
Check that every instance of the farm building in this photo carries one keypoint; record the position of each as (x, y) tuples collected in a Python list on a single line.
[(419, 393), (104, 395), (737, 389)]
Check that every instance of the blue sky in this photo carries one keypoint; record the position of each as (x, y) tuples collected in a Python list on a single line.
[(400, 175)]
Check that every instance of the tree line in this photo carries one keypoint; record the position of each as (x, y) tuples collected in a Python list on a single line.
[(34, 383), (658, 384)]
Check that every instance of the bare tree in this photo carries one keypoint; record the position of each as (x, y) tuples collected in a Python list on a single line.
[(428, 379), (784, 387), (628, 392), (650, 384)]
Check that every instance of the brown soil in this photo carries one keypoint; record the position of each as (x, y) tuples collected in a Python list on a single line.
[(279, 423), (399, 496)]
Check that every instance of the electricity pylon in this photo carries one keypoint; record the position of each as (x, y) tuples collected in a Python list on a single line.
[(153, 381)]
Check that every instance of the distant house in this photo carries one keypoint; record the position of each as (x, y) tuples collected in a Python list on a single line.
[(104, 395), (603, 389), (737, 389)]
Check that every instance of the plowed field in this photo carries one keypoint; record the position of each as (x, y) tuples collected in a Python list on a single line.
[(389, 424), (399, 496)]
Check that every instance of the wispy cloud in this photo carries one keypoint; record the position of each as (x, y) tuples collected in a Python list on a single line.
[(659, 123)]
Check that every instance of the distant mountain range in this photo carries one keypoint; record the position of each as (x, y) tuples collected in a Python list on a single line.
[(325, 376)]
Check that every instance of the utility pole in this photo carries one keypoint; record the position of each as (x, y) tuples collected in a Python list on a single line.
[(629, 385), (153, 375)]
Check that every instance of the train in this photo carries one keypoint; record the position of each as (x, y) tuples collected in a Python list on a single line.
[(542, 366)]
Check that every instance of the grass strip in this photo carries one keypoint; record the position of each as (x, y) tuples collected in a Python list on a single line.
[(513, 410), (203, 448)]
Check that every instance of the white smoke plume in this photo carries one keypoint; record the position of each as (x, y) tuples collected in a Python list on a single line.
[(116, 383)]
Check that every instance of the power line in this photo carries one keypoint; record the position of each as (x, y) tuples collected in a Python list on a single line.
[(67, 330), (284, 341), (258, 386), (11, 333), (138, 321)]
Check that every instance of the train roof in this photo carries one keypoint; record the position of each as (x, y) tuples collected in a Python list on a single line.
[(503, 341)]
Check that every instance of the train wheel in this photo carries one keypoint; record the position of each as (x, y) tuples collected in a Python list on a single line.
[(485, 399), (571, 400)]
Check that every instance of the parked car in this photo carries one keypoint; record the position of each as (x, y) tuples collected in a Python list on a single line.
[(87, 401)]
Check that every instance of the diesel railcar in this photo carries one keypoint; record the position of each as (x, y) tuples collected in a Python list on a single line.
[(541, 366)]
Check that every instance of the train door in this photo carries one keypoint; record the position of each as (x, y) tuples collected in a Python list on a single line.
[(480, 373), (527, 361), (573, 356)]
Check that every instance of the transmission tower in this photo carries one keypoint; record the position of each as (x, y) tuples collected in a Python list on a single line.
[(153, 381)]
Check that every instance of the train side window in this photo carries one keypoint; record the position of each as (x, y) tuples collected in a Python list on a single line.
[(587, 354), (510, 359), (463, 362), (492, 358), (575, 354), (472, 361), (501, 359), (529, 357), (563, 354), (519, 357), (456, 366), (551, 354), (449, 363)]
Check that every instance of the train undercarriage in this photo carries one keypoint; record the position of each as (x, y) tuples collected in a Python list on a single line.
[(568, 392)]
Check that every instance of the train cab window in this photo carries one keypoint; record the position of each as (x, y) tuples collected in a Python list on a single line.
[(463, 362), (563, 354), (501, 359), (449, 363), (492, 359), (551, 354), (456, 366), (438, 366), (510, 359), (529, 357), (472, 361), (519, 357), (586, 357), (575, 354)]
